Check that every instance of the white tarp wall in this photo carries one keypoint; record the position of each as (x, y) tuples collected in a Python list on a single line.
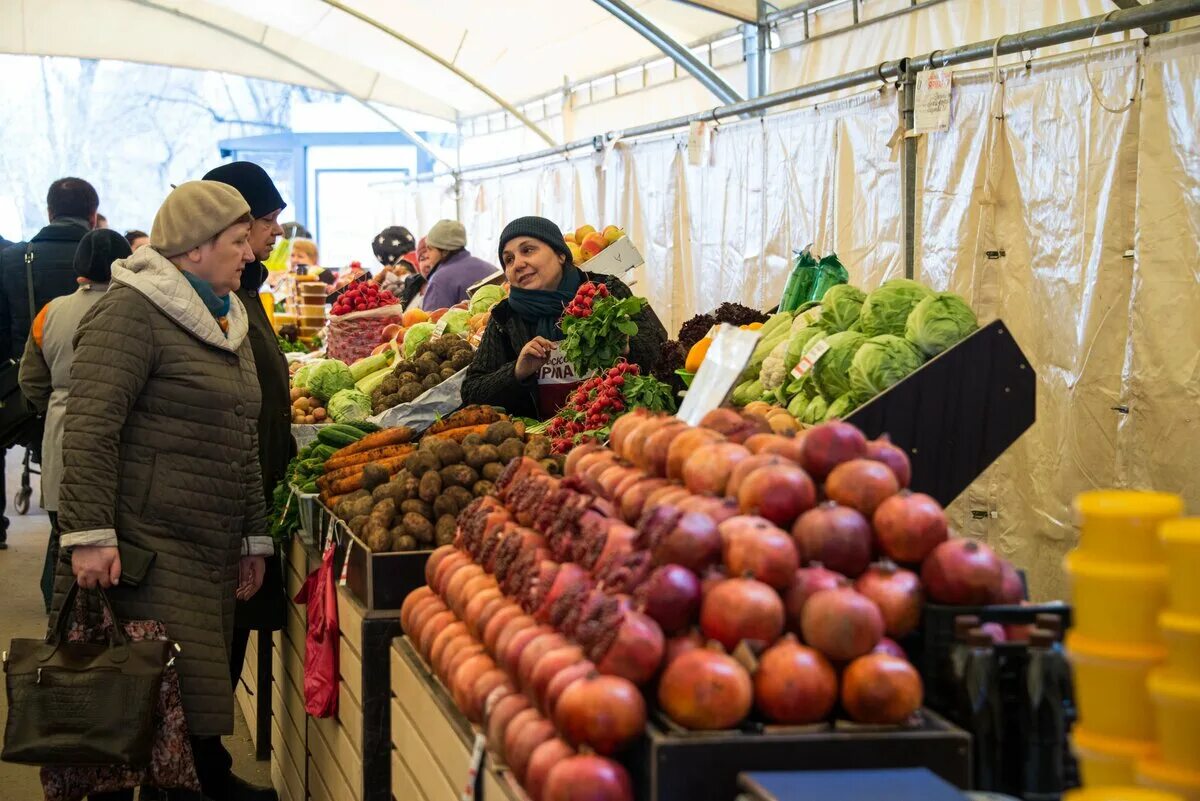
[(1097, 215)]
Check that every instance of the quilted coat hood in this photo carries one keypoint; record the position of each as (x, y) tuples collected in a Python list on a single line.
[(163, 284)]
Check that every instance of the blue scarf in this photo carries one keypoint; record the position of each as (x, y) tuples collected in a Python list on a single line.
[(217, 306), (543, 308)]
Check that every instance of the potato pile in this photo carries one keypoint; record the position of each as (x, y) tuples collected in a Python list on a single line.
[(307, 409), (418, 507), (431, 364)]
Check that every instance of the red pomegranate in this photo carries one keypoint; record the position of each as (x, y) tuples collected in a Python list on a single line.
[(463, 679), (587, 777), (454, 662), (527, 731), (684, 445), (882, 450), (680, 644), (755, 546), (457, 584), (569, 575), (633, 501), (693, 542), (442, 639), (490, 608), (544, 758), (735, 426), (561, 681), (502, 617), (410, 602), (451, 651), (841, 623), (836, 536), (710, 579), (592, 460), (635, 443), (613, 475), (897, 593), (881, 689), (501, 716), (909, 525), (888, 646), (671, 596), (791, 448), (623, 426), (806, 582), (631, 646), (446, 568), (963, 572), (662, 496), (538, 647), (794, 684), (705, 690), (756, 442), (430, 630), (570, 467), (861, 484), (415, 612), (550, 665), (741, 609), (473, 614), (435, 558), (748, 466), (510, 640), (657, 447), (1012, 588), (780, 493), (828, 445), (483, 687), (420, 617), (719, 509), (707, 470), (605, 713)]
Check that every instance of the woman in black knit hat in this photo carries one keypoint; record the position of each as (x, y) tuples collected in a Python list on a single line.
[(518, 365)]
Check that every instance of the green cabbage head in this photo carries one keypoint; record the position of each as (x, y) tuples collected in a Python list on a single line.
[(881, 362), (300, 379), (886, 310), (349, 406), (831, 373), (939, 322), (456, 321), (421, 332), (840, 409), (485, 298), (841, 306), (327, 378), (815, 411)]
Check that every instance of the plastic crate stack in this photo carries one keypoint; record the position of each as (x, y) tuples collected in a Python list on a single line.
[(1118, 578)]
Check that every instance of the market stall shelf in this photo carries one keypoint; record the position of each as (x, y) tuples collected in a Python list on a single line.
[(379, 581), (956, 414)]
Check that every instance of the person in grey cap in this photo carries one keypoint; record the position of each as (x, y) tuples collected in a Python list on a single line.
[(454, 268), (45, 373)]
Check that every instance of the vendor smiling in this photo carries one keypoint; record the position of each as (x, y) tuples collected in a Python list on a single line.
[(518, 364)]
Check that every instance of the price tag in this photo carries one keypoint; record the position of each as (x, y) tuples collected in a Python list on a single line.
[(346, 561), (931, 106), (440, 327), (468, 793), (697, 143), (719, 372), (810, 358)]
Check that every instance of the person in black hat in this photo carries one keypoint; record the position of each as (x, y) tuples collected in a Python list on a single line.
[(45, 373), (265, 610), (518, 364), (395, 249)]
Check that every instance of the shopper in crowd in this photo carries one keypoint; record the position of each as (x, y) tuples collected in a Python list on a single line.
[(522, 333), (137, 238), (394, 248), (304, 261), (160, 452), (454, 268), (46, 367), (101, 221), (264, 611), (49, 257), (412, 294)]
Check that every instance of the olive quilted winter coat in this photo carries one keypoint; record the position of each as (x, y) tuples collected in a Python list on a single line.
[(160, 452)]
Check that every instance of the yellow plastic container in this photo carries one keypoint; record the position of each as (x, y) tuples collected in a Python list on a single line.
[(1110, 686), (1181, 635), (1122, 525), (1181, 541), (1177, 716), (1159, 775), (1116, 601), (1105, 761), (1118, 793)]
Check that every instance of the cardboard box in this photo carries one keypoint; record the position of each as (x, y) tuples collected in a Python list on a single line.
[(617, 259)]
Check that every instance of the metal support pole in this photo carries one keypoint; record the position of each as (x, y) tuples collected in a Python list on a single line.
[(908, 168), (751, 52), (762, 41)]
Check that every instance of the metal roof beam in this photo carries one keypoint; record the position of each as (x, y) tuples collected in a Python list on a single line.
[(679, 53), (1149, 29)]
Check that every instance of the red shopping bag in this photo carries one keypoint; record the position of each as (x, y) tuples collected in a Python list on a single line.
[(321, 641)]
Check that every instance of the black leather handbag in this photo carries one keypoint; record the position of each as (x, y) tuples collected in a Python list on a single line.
[(82, 704), (20, 423)]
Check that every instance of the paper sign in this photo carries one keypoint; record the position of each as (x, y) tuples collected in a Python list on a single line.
[(719, 372), (440, 327), (697, 143), (556, 380), (811, 356), (476, 763), (931, 107), (346, 561)]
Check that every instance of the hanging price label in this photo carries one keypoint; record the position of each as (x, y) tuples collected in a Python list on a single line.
[(468, 793), (346, 561), (810, 358)]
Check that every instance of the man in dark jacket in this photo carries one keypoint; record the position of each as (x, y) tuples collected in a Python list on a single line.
[(71, 206), (264, 611)]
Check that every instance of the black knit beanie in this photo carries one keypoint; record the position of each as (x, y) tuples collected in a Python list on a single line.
[(539, 228), (252, 181), (392, 244), (97, 251)]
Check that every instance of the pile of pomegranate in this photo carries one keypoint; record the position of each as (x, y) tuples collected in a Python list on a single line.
[(720, 569)]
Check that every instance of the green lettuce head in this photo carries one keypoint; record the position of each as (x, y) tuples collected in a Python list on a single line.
[(840, 409), (349, 406), (797, 405), (831, 373), (484, 299), (938, 322), (456, 321), (886, 310), (815, 411), (421, 332), (841, 306), (798, 344), (881, 362), (327, 378), (300, 379)]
